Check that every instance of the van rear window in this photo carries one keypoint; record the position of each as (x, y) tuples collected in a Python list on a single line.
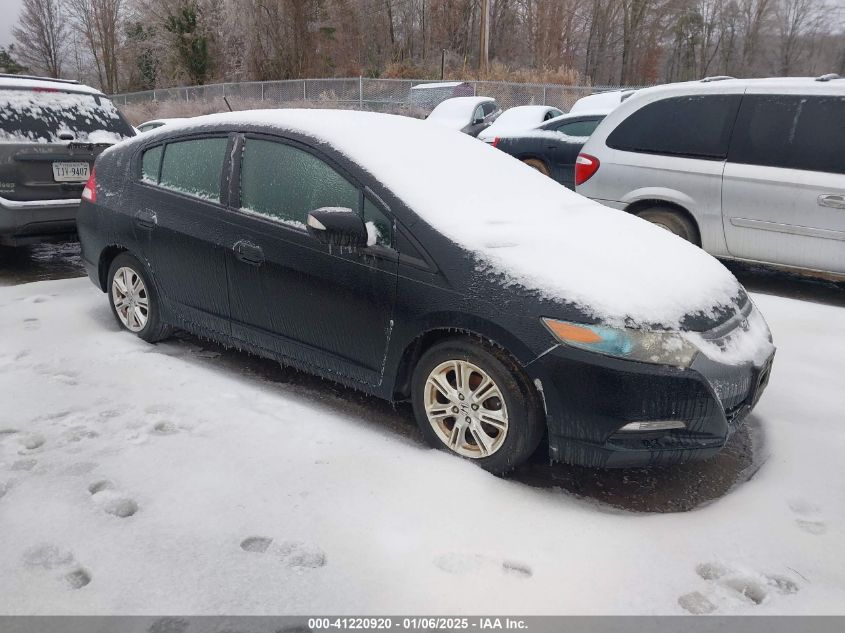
[(34, 116)]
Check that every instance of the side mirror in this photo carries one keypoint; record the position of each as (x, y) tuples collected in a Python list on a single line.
[(478, 121), (337, 226)]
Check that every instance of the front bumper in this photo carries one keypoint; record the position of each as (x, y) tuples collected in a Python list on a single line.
[(589, 397), (25, 222)]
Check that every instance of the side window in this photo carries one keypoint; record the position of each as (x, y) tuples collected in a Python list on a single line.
[(478, 114), (578, 128), (379, 226), (696, 126), (286, 183), (791, 131), (150, 164), (194, 167), (488, 107)]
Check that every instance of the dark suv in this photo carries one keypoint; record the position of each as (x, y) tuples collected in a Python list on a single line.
[(51, 131)]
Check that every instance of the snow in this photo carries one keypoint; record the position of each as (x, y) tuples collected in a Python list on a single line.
[(456, 113), (515, 120), (520, 223), (56, 113), (47, 84), (156, 480), (602, 102), (436, 86)]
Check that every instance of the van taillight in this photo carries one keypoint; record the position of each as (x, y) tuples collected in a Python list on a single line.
[(90, 191), (496, 141), (585, 167)]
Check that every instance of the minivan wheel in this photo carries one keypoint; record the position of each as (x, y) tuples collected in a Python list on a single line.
[(537, 164), (672, 221), (133, 299), (474, 400)]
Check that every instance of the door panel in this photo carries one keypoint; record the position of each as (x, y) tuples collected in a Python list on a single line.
[(784, 179), (778, 216), (184, 236), (331, 309)]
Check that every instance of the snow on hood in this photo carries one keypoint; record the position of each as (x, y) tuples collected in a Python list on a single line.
[(517, 222)]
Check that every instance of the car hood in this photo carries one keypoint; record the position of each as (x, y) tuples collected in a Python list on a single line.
[(520, 227)]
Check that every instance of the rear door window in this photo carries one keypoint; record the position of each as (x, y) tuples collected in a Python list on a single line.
[(578, 128), (697, 126), (286, 183), (194, 167), (43, 116), (150, 164), (791, 131)]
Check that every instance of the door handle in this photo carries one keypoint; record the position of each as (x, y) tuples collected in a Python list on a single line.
[(249, 253), (146, 219), (832, 200)]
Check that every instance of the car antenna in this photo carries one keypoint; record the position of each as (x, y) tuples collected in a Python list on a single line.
[(227, 104)]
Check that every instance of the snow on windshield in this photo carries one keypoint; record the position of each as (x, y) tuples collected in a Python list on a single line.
[(39, 116), (516, 222)]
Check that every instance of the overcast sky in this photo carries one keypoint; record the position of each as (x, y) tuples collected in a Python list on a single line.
[(11, 9)]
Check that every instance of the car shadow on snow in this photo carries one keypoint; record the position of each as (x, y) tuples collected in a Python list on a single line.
[(654, 490)]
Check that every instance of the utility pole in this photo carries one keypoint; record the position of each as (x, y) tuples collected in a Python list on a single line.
[(484, 38)]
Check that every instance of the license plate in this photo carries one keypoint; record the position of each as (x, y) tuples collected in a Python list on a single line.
[(71, 172)]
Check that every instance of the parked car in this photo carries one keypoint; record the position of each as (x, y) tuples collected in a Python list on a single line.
[(156, 123), (469, 115), (601, 101), (504, 312), (518, 119), (51, 131), (427, 96), (553, 147), (749, 169)]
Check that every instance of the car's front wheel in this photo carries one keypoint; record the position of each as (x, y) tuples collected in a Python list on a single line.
[(133, 299), (473, 400)]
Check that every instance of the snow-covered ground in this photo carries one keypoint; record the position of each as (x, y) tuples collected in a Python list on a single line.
[(140, 479)]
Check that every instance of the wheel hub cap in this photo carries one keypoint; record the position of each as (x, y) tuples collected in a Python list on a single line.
[(466, 409)]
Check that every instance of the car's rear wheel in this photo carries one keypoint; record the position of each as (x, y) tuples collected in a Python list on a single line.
[(473, 400), (672, 221), (537, 164), (133, 299)]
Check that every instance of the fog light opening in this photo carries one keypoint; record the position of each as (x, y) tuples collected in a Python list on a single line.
[(653, 425)]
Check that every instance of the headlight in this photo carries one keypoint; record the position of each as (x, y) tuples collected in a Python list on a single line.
[(662, 348)]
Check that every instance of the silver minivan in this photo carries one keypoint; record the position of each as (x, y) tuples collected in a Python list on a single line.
[(749, 169)]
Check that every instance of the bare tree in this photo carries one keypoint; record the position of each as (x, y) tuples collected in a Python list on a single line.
[(797, 23), (99, 22), (40, 34)]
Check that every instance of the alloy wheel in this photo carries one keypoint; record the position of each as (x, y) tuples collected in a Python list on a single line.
[(130, 298), (466, 409)]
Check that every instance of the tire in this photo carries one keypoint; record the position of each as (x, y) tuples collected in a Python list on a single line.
[(673, 221), (509, 415), (537, 164), (139, 312)]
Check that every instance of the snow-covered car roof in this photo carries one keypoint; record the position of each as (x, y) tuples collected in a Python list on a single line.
[(455, 113), (517, 119), (773, 85), (440, 85), (602, 102), (47, 84), (517, 223)]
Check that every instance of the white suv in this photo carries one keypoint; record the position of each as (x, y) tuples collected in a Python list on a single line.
[(750, 169)]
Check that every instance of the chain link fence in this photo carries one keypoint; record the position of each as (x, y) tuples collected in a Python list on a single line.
[(387, 95)]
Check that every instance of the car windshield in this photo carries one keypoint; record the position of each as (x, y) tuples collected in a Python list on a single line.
[(46, 116)]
